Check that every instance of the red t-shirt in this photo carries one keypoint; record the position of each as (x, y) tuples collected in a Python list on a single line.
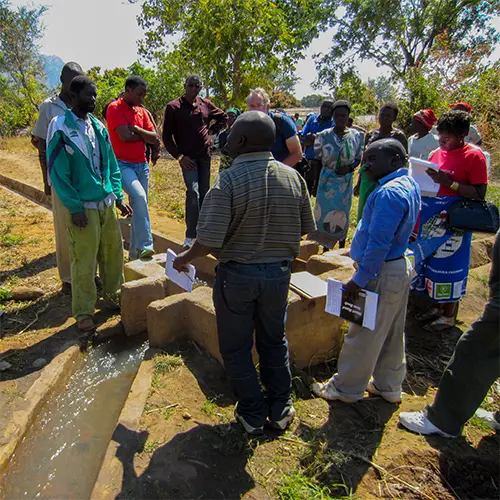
[(121, 113), (466, 165)]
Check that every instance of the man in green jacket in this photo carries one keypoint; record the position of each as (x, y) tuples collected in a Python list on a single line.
[(85, 175)]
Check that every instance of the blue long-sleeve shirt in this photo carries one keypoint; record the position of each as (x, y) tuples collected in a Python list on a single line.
[(313, 126), (388, 219)]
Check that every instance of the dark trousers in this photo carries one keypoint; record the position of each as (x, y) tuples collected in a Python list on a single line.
[(197, 185), (312, 176), (252, 298), (473, 368)]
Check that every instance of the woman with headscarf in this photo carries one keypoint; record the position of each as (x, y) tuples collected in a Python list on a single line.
[(442, 254), (423, 142), (387, 116), (339, 149), (225, 160)]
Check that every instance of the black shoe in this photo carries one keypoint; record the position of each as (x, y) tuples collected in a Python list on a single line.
[(98, 283), (66, 288), (249, 429)]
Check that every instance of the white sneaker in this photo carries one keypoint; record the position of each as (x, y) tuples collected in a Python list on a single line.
[(390, 397), (283, 424), (188, 243), (417, 421), (327, 391), (249, 429), (489, 418)]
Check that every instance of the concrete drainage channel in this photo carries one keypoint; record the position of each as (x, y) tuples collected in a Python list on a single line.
[(61, 454)]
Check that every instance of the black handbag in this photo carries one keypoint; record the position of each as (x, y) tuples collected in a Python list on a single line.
[(473, 216)]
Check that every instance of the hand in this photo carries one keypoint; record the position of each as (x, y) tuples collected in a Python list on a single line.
[(47, 189), (79, 219), (124, 209), (187, 163), (352, 290), (309, 140), (439, 177), (181, 261), (343, 171), (355, 191)]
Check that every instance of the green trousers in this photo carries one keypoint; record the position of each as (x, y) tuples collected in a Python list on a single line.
[(365, 189), (99, 242)]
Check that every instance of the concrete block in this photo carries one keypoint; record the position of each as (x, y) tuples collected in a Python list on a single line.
[(480, 254), (135, 298), (314, 336), (308, 249), (329, 261), (139, 269)]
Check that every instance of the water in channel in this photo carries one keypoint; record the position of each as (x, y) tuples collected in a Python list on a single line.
[(62, 452)]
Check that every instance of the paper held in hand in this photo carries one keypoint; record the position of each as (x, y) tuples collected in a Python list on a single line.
[(362, 312), (185, 279), (418, 169)]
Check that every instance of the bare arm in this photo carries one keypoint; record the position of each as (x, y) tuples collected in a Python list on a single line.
[(42, 158), (149, 137), (294, 150), (127, 135)]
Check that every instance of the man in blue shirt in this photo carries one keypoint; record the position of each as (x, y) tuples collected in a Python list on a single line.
[(378, 248), (316, 123), (286, 147)]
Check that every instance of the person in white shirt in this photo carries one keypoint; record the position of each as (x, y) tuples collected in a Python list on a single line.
[(423, 142)]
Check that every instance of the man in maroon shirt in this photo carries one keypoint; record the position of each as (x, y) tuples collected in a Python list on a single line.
[(186, 134)]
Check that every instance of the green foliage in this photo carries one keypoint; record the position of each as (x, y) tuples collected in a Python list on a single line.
[(351, 87), (283, 100), (383, 88), (5, 295), (313, 100), (296, 486), (233, 44), (20, 66), (166, 363)]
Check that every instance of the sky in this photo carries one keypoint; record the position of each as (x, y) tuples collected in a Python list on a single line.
[(111, 36)]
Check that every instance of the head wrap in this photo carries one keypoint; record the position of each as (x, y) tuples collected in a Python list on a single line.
[(426, 117), (235, 111), (465, 105)]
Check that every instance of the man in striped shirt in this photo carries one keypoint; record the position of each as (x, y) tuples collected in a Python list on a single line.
[(252, 220)]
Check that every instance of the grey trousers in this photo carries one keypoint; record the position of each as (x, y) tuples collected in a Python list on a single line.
[(379, 353)]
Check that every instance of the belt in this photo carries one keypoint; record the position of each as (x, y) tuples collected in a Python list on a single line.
[(396, 258)]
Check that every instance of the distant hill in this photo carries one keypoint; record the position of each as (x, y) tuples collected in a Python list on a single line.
[(52, 66)]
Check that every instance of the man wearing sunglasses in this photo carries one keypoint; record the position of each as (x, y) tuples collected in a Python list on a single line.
[(189, 121)]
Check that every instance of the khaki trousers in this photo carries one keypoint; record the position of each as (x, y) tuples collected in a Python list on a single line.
[(379, 353), (60, 213)]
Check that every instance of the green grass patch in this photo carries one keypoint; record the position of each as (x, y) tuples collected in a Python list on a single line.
[(151, 446), (210, 407), (5, 295), (167, 363), (296, 486), (493, 194), (479, 423)]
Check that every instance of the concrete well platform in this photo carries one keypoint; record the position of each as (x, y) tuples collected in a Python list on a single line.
[(150, 301)]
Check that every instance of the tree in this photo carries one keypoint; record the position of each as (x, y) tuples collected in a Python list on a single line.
[(401, 34), (382, 88), (283, 100), (20, 65), (349, 86), (312, 100), (234, 44)]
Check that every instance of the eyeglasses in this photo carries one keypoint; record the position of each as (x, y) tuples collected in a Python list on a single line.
[(196, 85)]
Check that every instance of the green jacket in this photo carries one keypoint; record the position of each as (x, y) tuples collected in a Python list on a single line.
[(70, 167)]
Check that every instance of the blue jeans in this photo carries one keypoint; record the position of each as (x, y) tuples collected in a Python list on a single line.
[(135, 178), (197, 185), (248, 298)]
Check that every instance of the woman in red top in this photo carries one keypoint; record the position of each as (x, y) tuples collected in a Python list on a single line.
[(442, 255)]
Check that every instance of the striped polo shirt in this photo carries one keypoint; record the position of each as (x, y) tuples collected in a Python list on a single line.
[(256, 211)]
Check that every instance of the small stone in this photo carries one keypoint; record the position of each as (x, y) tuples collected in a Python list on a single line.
[(38, 363), (26, 293), (187, 416), (4, 365)]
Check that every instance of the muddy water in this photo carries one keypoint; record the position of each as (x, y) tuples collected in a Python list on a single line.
[(61, 455)]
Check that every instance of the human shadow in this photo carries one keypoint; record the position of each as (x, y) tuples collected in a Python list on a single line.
[(48, 348), (32, 268), (207, 461), (468, 471), (209, 372), (341, 450)]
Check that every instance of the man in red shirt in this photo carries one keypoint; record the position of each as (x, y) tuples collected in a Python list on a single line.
[(130, 129), (186, 134)]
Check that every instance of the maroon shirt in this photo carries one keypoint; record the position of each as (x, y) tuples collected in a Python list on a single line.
[(186, 127)]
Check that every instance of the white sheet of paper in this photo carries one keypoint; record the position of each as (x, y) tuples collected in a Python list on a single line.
[(184, 280), (312, 285), (418, 169), (334, 303)]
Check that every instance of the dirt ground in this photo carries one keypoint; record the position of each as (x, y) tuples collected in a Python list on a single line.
[(188, 445)]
